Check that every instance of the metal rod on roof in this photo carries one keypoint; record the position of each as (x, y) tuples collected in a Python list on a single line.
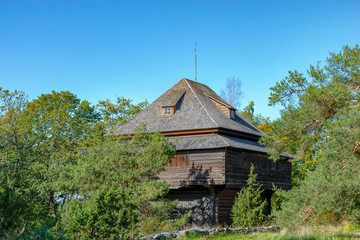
[(195, 61)]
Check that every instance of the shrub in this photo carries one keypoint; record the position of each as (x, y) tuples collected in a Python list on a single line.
[(249, 206), (155, 218)]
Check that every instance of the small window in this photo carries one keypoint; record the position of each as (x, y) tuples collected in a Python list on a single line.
[(232, 114), (179, 160), (167, 111), (274, 165)]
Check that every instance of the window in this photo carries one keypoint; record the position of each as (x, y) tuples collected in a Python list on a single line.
[(274, 165), (167, 111), (232, 114), (180, 160)]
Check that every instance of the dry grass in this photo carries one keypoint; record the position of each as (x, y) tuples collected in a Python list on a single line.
[(337, 232)]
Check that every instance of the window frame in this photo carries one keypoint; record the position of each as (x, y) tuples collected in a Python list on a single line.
[(180, 160), (167, 111), (232, 114)]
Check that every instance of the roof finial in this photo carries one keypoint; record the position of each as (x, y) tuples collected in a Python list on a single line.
[(195, 61)]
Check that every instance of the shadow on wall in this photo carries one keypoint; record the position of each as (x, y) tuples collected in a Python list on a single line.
[(202, 211), (201, 201), (198, 176)]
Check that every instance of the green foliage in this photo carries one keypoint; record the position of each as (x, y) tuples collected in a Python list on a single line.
[(116, 114), (110, 181), (320, 125), (248, 207), (258, 120), (16, 157), (330, 194), (40, 139), (107, 214), (44, 233), (155, 218), (309, 105)]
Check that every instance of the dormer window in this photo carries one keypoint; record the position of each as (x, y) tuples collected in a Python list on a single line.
[(232, 114), (167, 111), (172, 103)]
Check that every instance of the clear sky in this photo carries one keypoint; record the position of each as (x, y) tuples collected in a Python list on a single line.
[(101, 49)]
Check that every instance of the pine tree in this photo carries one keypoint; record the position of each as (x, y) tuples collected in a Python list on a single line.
[(320, 126), (248, 207)]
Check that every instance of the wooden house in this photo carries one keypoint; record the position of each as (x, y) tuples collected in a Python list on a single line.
[(215, 148)]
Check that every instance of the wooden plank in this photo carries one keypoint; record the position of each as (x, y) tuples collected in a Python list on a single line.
[(238, 167), (206, 167)]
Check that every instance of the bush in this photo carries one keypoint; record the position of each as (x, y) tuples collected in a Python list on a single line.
[(106, 215), (44, 233), (249, 206), (155, 218), (330, 193), (110, 182)]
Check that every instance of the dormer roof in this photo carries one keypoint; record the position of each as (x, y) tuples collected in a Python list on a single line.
[(196, 109)]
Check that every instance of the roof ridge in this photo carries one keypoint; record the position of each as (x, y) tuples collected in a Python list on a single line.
[(202, 105), (221, 102), (222, 139)]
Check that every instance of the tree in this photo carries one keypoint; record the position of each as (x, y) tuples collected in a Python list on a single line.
[(309, 105), (37, 138), (330, 193), (232, 92), (15, 180), (116, 114), (110, 181), (258, 120), (319, 125), (248, 207)]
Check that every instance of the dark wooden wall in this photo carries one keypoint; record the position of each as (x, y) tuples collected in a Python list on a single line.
[(226, 201), (238, 167), (225, 166), (207, 181), (209, 205), (205, 167)]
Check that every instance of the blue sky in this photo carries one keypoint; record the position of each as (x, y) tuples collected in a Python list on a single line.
[(139, 49)]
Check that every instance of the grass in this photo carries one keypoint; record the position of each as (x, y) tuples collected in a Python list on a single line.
[(341, 232), (272, 236)]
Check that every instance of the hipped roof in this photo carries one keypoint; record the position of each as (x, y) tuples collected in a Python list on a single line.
[(211, 141), (195, 110)]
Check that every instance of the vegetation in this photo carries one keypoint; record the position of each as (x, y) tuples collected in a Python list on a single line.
[(155, 218), (63, 177), (108, 184), (248, 207), (259, 121), (232, 92), (277, 236), (320, 125)]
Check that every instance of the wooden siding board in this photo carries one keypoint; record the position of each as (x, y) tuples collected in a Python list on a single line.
[(226, 201), (222, 107), (206, 168), (238, 166)]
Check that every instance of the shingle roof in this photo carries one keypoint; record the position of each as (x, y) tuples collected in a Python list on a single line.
[(211, 141), (195, 110)]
